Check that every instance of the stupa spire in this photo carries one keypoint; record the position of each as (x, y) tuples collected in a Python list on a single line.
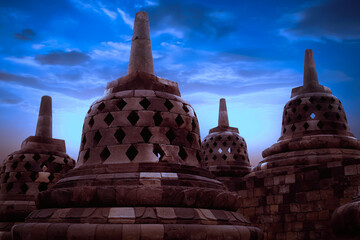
[(223, 116), (44, 123), (310, 75), (141, 54)]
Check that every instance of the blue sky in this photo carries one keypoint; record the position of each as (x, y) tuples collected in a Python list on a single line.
[(249, 52)]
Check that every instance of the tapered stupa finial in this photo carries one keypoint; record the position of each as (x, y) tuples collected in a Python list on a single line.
[(223, 116), (44, 124), (141, 55), (310, 75)]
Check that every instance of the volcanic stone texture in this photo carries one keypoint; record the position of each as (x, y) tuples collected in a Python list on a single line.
[(313, 168), (138, 175), (225, 151), (36, 167)]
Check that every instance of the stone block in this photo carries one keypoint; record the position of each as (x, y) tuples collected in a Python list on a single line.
[(350, 170)]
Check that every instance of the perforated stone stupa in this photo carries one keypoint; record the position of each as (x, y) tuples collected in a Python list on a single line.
[(138, 175), (313, 169), (36, 167), (225, 151)]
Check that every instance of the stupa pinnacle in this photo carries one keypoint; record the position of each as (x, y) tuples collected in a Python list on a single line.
[(138, 175), (225, 151), (37, 166)]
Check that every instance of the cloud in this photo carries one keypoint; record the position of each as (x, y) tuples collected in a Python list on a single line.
[(111, 14), (171, 31), (23, 80), (126, 18), (63, 58), (25, 35), (191, 18), (335, 20), (112, 50)]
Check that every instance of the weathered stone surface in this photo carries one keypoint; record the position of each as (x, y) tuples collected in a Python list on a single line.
[(36, 167)]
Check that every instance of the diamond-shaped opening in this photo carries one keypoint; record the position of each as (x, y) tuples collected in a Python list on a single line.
[(182, 153), (36, 157), (238, 150), (179, 121), (27, 166), (58, 167), (133, 118), (91, 122), (9, 186), (312, 116), (87, 155), (121, 104), (43, 164), (119, 135), (146, 134), (105, 154), (207, 145), (84, 140), (293, 128), (109, 119), (97, 137), (234, 144), (101, 107), (51, 177), (339, 108), (332, 100), (185, 108), (33, 176), (311, 99), (18, 175), (145, 103), (224, 157), (210, 151), (22, 157), (214, 157), (193, 124), (14, 165), (326, 115), (224, 144), (235, 156), (24, 187), (43, 186), (214, 144), (220, 150), (65, 161), (170, 135), (241, 144), (284, 131), (293, 109), (157, 119), (298, 101), (159, 153), (245, 151), (320, 124), (198, 157), (288, 119), (306, 108), (306, 125), (206, 158), (322, 99), (299, 117), (168, 104), (6, 177), (285, 113), (229, 138), (229, 150), (334, 125), (318, 107), (290, 103), (330, 107), (344, 126), (219, 138), (190, 138), (131, 152)]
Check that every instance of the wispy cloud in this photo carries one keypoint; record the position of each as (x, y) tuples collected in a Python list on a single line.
[(126, 18), (62, 58), (111, 14)]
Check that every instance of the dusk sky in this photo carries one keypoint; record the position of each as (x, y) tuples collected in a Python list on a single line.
[(249, 52)]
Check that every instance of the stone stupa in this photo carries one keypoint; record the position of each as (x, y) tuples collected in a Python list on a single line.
[(313, 168), (36, 167), (138, 175), (225, 151)]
